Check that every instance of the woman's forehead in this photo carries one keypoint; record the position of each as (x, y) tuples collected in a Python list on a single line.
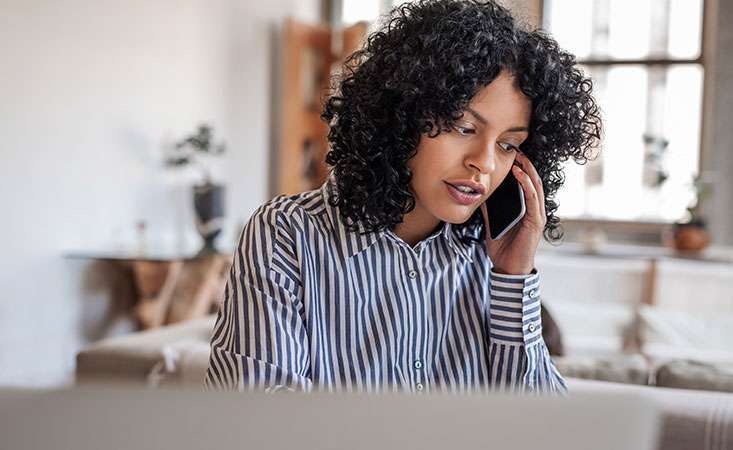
[(500, 100)]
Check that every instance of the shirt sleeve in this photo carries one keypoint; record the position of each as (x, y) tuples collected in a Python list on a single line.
[(518, 357), (259, 340)]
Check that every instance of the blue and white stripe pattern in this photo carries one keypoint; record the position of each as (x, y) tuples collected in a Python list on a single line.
[(311, 306)]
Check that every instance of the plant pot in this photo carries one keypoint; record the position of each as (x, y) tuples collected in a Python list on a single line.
[(689, 237), (208, 201)]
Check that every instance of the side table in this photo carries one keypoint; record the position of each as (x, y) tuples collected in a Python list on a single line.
[(170, 287)]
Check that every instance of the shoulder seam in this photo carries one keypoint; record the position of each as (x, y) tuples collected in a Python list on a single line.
[(288, 203)]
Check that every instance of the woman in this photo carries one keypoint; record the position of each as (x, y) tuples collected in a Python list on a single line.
[(384, 278)]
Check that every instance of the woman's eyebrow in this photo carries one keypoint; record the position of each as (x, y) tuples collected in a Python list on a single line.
[(481, 119)]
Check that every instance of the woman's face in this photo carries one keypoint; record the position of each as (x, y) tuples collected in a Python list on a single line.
[(481, 148)]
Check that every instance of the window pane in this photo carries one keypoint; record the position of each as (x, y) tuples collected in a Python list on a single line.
[(357, 10), (685, 28), (625, 100), (636, 178), (683, 112), (626, 29), (629, 28), (570, 22)]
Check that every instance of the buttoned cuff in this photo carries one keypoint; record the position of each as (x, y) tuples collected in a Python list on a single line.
[(514, 309)]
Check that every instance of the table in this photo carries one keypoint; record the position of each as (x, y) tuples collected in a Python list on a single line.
[(171, 287)]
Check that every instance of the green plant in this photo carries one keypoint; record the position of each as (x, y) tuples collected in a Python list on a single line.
[(187, 151), (702, 189)]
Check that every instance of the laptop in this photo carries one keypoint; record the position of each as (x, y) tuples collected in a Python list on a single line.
[(136, 419)]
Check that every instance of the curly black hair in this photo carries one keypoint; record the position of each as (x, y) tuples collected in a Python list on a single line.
[(417, 74)]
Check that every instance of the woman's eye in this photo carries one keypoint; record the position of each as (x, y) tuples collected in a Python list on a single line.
[(465, 131), (508, 147)]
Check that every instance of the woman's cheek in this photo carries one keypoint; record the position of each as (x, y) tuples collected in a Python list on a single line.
[(492, 187)]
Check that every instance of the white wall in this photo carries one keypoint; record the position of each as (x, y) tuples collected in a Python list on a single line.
[(89, 93)]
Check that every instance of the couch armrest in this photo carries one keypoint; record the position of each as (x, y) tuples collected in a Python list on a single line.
[(691, 419)]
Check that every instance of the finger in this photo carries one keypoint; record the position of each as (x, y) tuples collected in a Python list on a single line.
[(531, 196), (487, 238), (530, 170), (534, 176)]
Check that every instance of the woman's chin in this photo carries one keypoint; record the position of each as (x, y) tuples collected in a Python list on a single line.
[(457, 214)]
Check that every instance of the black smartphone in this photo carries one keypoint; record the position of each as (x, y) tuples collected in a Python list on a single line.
[(505, 206)]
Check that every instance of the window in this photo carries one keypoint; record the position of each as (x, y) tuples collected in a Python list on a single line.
[(353, 11), (645, 59)]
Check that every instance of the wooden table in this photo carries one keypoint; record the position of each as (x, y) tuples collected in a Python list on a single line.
[(170, 287)]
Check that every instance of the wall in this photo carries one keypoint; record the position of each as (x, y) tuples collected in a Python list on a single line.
[(91, 91), (717, 157)]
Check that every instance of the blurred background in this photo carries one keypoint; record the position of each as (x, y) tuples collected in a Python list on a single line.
[(139, 136)]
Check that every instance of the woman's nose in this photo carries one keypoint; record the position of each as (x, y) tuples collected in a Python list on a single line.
[(484, 158)]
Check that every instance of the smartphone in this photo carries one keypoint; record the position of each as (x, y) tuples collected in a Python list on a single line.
[(505, 207)]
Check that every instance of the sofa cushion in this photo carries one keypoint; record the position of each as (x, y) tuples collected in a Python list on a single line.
[(590, 328), (131, 358), (670, 334), (590, 279), (620, 368), (687, 374), (692, 286), (194, 363)]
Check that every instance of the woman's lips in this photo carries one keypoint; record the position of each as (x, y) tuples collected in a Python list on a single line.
[(460, 197)]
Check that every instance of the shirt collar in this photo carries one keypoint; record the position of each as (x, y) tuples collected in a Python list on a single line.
[(353, 242)]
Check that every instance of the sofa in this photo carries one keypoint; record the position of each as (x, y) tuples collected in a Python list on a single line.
[(673, 350), (629, 318), (609, 329), (176, 356)]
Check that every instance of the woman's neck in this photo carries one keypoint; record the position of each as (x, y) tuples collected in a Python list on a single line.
[(416, 226)]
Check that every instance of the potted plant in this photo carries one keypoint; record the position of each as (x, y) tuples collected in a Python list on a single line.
[(208, 197), (691, 234)]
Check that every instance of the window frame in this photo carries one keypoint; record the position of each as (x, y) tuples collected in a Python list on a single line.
[(636, 228)]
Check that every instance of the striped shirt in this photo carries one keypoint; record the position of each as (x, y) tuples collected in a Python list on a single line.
[(310, 305)]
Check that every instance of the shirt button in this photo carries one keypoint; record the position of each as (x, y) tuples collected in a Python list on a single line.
[(532, 326), (412, 274), (419, 386), (534, 293), (418, 364)]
